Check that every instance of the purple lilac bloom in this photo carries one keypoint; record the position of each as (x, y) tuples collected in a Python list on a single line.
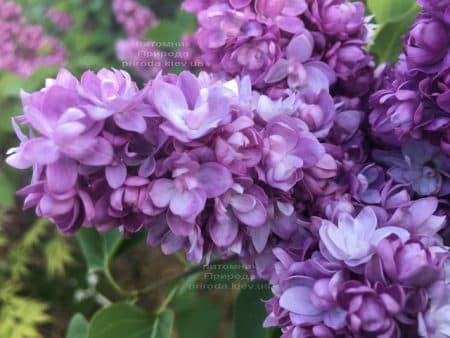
[(134, 18), (22, 44), (60, 19), (420, 165)]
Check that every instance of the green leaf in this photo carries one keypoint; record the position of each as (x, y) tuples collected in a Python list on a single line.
[(172, 30), (249, 312), (163, 325), (388, 10), (78, 327), (199, 321), (388, 41), (7, 191), (98, 249), (121, 320)]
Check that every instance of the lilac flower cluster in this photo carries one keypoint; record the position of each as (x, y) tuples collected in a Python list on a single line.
[(24, 47), (133, 17), (60, 19), (285, 44), (271, 158), (140, 55)]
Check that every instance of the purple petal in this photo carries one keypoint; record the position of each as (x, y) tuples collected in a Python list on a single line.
[(298, 300), (100, 155), (178, 225), (162, 192), (277, 72), (61, 176), (131, 121), (215, 179), (40, 151), (224, 229), (188, 203), (300, 48), (290, 24), (116, 175)]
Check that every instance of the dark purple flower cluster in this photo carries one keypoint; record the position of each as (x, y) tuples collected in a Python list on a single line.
[(415, 103), (285, 44), (24, 47), (270, 158)]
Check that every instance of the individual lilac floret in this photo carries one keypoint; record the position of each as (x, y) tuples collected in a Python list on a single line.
[(289, 148), (134, 18), (371, 311), (434, 322), (58, 114), (437, 88), (246, 204), (427, 46), (186, 192), (339, 18), (396, 112), (191, 109), (439, 8), (420, 165), (413, 263), (298, 69), (353, 240)]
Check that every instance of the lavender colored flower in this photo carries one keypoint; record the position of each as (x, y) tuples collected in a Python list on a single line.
[(22, 45), (186, 192), (239, 146), (371, 311), (252, 56), (395, 112), (310, 76), (420, 165), (65, 130), (338, 18), (289, 148), (353, 240), (438, 89), (113, 93), (245, 203), (189, 108), (439, 8), (134, 18), (312, 301), (427, 46), (411, 264), (418, 217), (282, 13)]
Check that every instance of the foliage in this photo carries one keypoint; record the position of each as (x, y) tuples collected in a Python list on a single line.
[(393, 19)]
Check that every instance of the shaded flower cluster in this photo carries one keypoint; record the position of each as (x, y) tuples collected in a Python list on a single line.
[(25, 47), (288, 43), (134, 18)]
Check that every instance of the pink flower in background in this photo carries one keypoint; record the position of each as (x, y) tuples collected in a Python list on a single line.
[(134, 18), (60, 19)]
